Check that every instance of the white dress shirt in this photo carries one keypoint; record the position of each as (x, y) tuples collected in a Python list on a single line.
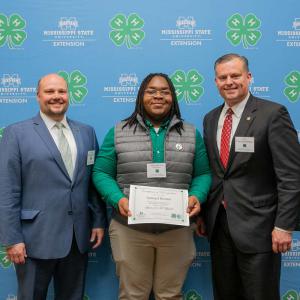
[(236, 116), (50, 124)]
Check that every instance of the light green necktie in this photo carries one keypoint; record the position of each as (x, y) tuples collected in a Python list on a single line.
[(64, 149)]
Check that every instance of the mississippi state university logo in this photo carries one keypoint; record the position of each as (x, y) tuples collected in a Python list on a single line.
[(291, 260), (186, 32), (243, 30), (290, 36), (292, 90), (68, 33), (124, 90), (127, 30), (258, 90), (12, 91), (76, 84), (12, 30), (188, 85)]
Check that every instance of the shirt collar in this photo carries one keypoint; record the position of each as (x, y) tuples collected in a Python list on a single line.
[(50, 123), (163, 125), (237, 108)]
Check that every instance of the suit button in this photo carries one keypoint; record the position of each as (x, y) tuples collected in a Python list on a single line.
[(70, 213)]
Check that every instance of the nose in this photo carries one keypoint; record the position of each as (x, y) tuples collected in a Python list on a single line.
[(228, 80), (56, 94), (158, 95)]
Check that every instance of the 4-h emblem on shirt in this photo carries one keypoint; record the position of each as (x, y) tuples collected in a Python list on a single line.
[(179, 147)]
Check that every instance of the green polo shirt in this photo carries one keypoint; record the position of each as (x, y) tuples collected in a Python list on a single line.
[(105, 168)]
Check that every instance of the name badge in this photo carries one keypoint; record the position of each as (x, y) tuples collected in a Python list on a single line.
[(156, 170), (90, 158), (244, 144)]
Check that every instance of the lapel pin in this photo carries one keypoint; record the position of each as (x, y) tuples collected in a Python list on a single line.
[(248, 118), (179, 147)]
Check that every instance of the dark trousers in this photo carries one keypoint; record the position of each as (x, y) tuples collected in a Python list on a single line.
[(68, 275), (241, 276)]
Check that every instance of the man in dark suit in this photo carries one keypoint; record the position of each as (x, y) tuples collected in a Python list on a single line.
[(255, 195), (49, 213)]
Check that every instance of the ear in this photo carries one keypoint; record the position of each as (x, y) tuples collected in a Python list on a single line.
[(249, 76)]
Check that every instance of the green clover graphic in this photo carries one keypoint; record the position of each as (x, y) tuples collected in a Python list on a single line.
[(243, 29), (11, 30), (76, 84), (128, 30), (192, 295), (188, 86), (292, 91), (291, 295), (86, 297), (1, 132), (4, 261)]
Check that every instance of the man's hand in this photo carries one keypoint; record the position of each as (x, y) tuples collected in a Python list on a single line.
[(96, 237), (124, 207), (194, 206), (17, 253), (281, 241), (201, 228)]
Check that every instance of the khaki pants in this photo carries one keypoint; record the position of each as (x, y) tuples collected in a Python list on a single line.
[(145, 261)]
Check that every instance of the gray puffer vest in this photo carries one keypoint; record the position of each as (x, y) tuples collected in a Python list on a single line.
[(134, 152)]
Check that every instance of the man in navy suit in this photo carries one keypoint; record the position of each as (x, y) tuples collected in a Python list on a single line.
[(50, 214), (254, 200)]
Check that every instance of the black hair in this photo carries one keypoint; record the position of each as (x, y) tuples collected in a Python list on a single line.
[(139, 104)]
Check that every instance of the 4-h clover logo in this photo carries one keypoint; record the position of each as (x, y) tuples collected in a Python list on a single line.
[(127, 30), (243, 29), (292, 91), (4, 261), (1, 132), (192, 295), (76, 84), (188, 86), (291, 295), (11, 30)]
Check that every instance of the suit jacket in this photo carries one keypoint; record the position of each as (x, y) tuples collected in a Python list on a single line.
[(39, 204), (262, 189)]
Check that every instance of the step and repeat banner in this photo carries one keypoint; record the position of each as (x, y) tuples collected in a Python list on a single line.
[(106, 48)]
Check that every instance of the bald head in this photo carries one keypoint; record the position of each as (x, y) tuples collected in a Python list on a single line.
[(52, 95), (51, 75)]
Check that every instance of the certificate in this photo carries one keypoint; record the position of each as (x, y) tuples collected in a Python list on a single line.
[(158, 205)]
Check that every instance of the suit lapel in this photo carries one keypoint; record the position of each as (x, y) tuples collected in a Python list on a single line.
[(246, 120), (215, 121), (42, 130), (79, 145)]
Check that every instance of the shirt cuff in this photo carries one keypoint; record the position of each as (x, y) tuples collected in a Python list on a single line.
[(283, 230)]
